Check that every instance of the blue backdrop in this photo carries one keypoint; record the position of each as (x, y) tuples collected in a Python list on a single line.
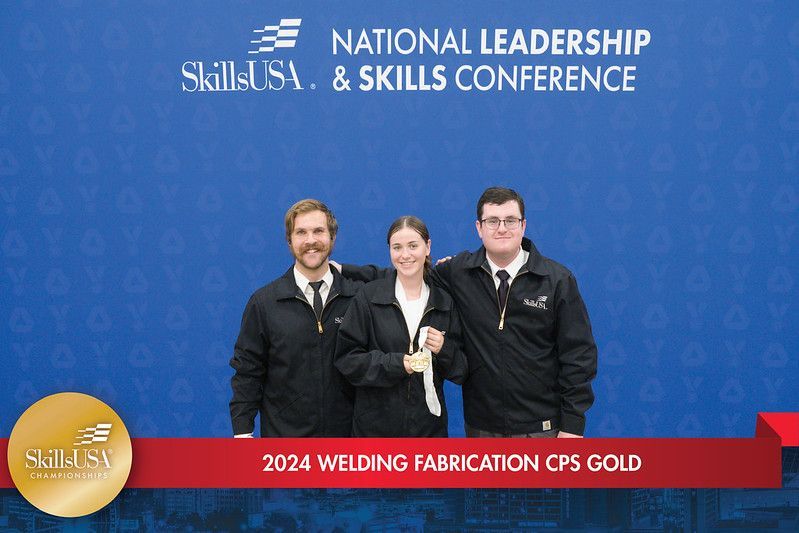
[(137, 217)]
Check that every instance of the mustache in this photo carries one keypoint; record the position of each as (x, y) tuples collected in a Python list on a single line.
[(316, 247)]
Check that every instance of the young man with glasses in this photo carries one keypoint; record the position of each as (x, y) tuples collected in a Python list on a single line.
[(527, 335)]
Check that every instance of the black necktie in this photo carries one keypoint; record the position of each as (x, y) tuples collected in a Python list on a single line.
[(317, 298), (502, 292)]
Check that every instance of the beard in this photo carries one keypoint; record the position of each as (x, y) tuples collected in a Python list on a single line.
[(312, 263)]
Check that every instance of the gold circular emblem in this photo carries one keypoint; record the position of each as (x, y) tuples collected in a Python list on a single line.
[(419, 361), (69, 454)]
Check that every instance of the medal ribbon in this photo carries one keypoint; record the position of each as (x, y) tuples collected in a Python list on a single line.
[(430, 396)]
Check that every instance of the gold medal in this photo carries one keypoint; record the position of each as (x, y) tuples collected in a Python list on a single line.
[(419, 361)]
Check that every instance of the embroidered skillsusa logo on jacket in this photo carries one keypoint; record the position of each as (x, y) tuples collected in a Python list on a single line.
[(540, 302)]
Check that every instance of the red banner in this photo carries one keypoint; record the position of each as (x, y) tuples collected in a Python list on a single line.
[(463, 463)]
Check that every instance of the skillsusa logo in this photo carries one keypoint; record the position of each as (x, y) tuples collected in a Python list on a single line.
[(79, 462), (67, 444), (540, 302), (284, 35), (238, 75), (98, 433)]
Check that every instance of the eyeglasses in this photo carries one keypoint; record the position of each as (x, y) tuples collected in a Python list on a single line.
[(493, 222)]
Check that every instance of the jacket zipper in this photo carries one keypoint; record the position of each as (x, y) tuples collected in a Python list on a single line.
[(321, 330), (424, 314), (319, 327), (410, 339), (502, 311)]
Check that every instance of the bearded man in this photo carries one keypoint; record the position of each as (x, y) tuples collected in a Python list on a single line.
[(283, 356)]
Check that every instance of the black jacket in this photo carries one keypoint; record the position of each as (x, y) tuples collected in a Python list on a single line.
[(284, 366), (539, 366), (372, 342)]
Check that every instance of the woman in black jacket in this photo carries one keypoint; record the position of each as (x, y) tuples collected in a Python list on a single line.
[(398, 342)]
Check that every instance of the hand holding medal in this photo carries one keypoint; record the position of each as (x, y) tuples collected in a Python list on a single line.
[(431, 341)]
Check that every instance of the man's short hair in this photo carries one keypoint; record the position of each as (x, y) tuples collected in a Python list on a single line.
[(498, 196), (306, 206)]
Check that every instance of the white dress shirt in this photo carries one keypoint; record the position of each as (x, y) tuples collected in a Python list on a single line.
[(305, 285), (512, 269), (412, 310)]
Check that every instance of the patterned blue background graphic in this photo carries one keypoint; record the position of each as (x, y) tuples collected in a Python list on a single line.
[(136, 217)]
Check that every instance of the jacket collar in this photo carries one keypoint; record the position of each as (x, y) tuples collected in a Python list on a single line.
[(384, 294), (287, 286), (535, 263)]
